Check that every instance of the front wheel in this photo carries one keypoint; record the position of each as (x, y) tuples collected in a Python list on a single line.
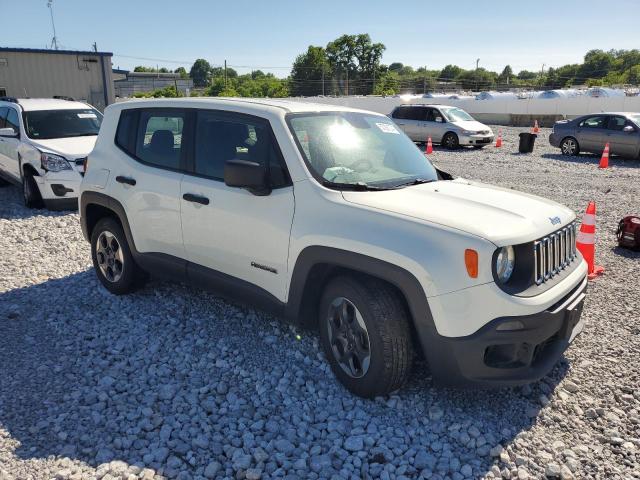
[(112, 258), (30, 192), (569, 146), (451, 141), (365, 334)]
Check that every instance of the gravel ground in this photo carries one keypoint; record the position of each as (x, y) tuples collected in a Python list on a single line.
[(178, 383)]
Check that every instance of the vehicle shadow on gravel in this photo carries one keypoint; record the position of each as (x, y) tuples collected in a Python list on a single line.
[(589, 158), (625, 252), (176, 380), (12, 207)]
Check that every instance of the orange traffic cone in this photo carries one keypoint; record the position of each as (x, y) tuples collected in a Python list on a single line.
[(535, 129), (604, 160), (499, 139), (586, 241), (429, 149)]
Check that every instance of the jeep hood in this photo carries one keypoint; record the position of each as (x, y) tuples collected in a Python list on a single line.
[(471, 125), (70, 148), (502, 216)]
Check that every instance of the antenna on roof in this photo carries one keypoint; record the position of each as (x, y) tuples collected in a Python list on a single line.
[(54, 40)]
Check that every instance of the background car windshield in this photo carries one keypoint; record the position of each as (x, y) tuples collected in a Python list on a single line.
[(457, 115), (346, 147), (47, 124)]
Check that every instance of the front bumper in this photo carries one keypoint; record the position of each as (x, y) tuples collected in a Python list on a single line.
[(554, 140), (60, 190), (475, 140), (493, 356)]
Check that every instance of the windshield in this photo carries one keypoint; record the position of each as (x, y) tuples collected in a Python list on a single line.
[(457, 115), (358, 148), (47, 124), (635, 118)]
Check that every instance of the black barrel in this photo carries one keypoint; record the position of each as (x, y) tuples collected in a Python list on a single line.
[(527, 141)]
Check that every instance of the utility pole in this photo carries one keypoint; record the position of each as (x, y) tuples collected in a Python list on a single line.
[(323, 79), (541, 73), (95, 47), (225, 74), (54, 40), (424, 81), (347, 81)]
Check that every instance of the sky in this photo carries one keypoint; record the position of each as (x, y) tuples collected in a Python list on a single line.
[(268, 34)]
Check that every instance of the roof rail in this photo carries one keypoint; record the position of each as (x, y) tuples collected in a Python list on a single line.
[(9, 99), (64, 97)]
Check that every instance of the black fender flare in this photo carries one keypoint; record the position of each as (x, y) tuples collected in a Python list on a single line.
[(403, 280)]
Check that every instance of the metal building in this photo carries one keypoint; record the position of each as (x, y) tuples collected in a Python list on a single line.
[(84, 76), (128, 83)]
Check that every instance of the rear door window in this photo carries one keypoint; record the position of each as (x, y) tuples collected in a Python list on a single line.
[(594, 122), (159, 138)]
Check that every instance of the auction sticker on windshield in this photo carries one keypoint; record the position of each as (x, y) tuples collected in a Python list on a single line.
[(87, 115), (387, 128)]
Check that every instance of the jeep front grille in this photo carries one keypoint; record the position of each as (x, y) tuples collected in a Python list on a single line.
[(554, 253)]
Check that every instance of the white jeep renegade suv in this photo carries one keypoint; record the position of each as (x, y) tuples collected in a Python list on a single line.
[(43, 145), (334, 218)]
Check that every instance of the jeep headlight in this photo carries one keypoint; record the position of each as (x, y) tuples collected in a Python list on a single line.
[(54, 163), (505, 263)]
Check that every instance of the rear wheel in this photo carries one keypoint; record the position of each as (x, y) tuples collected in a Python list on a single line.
[(112, 258), (451, 141), (31, 196), (569, 146), (365, 334)]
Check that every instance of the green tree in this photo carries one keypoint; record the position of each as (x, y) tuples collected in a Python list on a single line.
[(200, 72), (353, 60), (307, 72), (526, 75), (182, 71), (506, 76), (479, 79), (387, 84), (449, 73)]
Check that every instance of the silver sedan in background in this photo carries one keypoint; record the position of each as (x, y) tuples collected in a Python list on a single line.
[(590, 133)]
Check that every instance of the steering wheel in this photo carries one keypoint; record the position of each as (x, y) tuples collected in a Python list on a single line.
[(364, 162)]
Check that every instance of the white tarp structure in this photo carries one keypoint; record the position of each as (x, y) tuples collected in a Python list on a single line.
[(495, 95), (566, 93), (599, 92)]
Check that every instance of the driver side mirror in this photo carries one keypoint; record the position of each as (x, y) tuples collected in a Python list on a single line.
[(628, 129), (8, 132), (439, 120), (248, 175)]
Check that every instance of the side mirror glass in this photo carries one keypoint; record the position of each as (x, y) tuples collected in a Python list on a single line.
[(249, 175), (628, 129), (439, 120), (8, 132)]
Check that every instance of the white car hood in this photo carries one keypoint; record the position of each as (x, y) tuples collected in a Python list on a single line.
[(502, 216), (471, 125), (69, 148)]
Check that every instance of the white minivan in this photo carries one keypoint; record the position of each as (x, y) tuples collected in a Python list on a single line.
[(44, 143), (449, 126)]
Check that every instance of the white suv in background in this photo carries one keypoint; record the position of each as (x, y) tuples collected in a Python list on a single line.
[(335, 219), (43, 146), (449, 126)]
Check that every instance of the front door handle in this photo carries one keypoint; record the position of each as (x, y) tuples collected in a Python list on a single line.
[(127, 180), (190, 197)]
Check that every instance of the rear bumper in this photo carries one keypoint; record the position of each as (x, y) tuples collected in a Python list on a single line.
[(499, 355)]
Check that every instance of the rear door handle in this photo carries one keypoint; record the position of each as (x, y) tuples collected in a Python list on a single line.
[(190, 197), (127, 180)]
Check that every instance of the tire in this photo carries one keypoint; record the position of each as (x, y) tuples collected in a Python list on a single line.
[(31, 196), (451, 141), (112, 259), (569, 146), (386, 338)]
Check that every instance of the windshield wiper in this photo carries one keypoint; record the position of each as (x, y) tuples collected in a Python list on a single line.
[(358, 186), (415, 181)]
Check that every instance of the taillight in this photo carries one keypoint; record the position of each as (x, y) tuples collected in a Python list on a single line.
[(85, 164)]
